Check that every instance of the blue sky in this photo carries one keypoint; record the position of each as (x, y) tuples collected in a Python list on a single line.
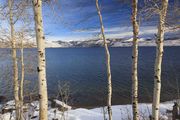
[(78, 19)]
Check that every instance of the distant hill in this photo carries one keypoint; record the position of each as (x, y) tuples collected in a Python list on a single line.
[(111, 43), (98, 43)]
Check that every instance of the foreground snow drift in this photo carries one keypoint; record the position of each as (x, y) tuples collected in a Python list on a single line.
[(120, 112)]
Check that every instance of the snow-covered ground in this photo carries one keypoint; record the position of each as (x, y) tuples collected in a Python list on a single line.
[(120, 112)]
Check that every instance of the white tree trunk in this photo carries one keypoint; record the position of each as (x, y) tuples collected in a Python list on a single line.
[(43, 97), (107, 63), (14, 57), (158, 61), (21, 97), (135, 61)]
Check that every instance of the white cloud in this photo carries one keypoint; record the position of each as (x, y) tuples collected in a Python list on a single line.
[(67, 38), (114, 32)]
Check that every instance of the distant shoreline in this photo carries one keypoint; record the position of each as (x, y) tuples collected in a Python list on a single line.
[(97, 43), (178, 45)]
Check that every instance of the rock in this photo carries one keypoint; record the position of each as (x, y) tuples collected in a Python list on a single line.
[(3, 99), (8, 107), (5, 110), (34, 117)]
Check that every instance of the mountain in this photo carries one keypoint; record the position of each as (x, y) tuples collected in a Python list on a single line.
[(111, 42), (116, 42)]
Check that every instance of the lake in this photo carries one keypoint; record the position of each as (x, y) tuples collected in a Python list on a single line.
[(85, 71)]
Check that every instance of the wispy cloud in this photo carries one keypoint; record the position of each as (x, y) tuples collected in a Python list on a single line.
[(121, 32), (114, 32)]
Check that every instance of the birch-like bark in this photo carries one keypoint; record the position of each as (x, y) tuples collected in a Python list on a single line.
[(21, 97), (135, 61), (158, 61), (43, 97), (14, 58), (108, 67)]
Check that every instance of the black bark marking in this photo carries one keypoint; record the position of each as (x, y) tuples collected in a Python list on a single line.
[(38, 70), (41, 54), (38, 30), (36, 4), (158, 81), (109, 108), (156, 77), (39, 96)]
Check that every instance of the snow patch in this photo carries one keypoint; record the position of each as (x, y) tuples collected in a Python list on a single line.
[(120, 112)]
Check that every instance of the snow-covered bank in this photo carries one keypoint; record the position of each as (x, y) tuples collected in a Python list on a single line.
[(120, 112)]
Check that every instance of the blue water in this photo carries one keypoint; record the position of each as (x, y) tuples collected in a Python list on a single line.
[(85, 71)]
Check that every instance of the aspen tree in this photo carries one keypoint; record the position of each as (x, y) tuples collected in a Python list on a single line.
[(14, 57), (158, 61), (135, 60), (21, 95), (107, 62), (43, 97)]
